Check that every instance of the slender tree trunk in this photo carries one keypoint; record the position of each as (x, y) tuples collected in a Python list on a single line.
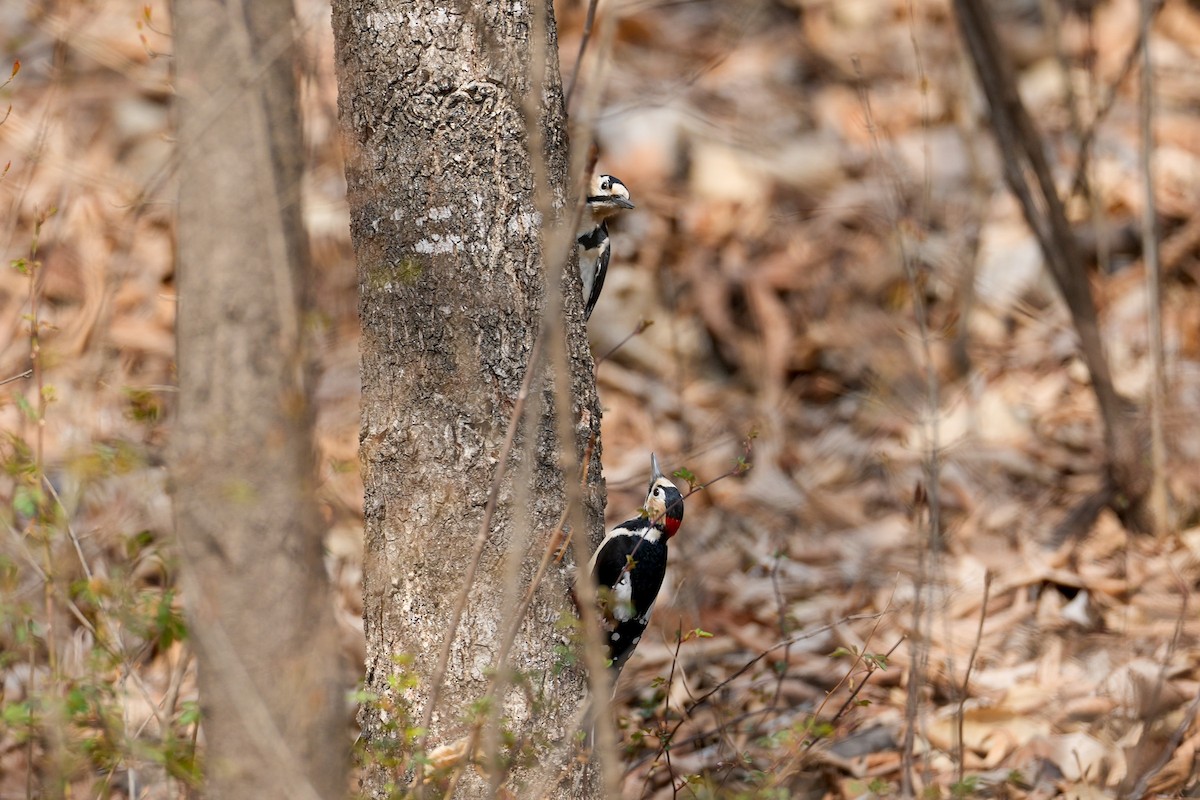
[(1028, 175), (440, 102), (243, 455)]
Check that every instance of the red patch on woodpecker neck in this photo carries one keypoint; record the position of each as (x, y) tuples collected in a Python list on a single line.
[(671, 525)]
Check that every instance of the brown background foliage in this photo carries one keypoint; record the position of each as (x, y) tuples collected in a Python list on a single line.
[(768, 248)]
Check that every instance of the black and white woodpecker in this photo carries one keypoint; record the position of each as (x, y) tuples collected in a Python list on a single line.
[(607, 197), (629, 565)]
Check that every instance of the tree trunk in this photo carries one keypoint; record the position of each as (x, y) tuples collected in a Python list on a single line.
[(1028, 175), (243, 457), (449, 244)]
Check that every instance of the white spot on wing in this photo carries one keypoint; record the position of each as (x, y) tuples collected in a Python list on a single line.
[(623, 598)]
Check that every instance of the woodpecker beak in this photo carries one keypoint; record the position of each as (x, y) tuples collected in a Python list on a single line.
[(611, 200), (655, 472)]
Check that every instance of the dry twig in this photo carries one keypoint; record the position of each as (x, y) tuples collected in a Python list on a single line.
[(1028, 175)]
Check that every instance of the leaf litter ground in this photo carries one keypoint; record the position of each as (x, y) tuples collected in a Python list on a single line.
[(851, 645)]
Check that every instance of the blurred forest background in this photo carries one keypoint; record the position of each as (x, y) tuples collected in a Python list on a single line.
[(813, 178)]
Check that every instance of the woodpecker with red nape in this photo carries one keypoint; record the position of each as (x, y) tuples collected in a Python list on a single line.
[(629, 565), (607, 197)]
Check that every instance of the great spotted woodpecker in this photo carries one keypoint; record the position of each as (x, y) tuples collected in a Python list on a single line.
[(629, 565), (607, 196)]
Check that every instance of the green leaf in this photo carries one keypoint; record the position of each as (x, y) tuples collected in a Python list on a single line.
[(966, 787), (363, 696), (77, 702), (26, 407), (821, 729), (136, 544), (18, 715), (189, 712), (144, 405), (26, 501), (168, 622)]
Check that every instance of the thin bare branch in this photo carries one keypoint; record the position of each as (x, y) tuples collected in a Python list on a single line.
[(966, 684), (929, 526), (18, 377), (1159, 510), (584, 39), (704, 698), (1029, 177), (872, 668), (1079, 182), (642, 325), (1143, 781), (87, 570)]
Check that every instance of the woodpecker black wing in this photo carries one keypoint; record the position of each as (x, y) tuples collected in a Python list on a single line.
[(595, 251), (598, 281), (629, 569), (592, 239)]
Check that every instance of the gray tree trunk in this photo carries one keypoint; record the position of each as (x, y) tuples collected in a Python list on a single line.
[(453, 283), (242, 451)]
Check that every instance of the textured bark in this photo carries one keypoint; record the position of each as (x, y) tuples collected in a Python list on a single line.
[(450, 246), (243, 464)]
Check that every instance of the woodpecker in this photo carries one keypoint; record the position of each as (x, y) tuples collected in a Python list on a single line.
[(629, 565), (607, 197)]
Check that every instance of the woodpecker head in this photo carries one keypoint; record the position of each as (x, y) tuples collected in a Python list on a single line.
[(607, 196), (664, 503)]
